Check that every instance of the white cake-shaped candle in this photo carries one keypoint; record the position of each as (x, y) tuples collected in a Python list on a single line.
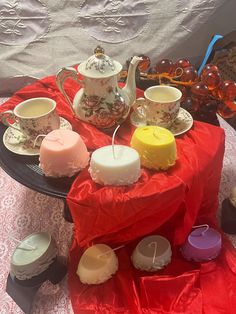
[(152, 253), (115, 165), (62, 154), (97, 264)]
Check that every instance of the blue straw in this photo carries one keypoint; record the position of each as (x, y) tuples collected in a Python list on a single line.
[(208, 52)]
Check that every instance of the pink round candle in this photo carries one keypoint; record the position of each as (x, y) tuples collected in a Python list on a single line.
[(62, 154), (202, 244)]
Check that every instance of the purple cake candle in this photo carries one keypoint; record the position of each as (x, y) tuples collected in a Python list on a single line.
[(203, 244)]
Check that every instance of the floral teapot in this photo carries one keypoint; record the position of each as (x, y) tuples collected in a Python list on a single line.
[(101, 101)]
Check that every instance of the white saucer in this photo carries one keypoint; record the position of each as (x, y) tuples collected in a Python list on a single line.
[(182, 123), (15, 142)]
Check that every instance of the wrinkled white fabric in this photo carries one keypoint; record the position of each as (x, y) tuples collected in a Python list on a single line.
[(37, 37), (114, 21), (22, 21)]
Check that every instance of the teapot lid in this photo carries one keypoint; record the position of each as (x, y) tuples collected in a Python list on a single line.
[(99, 65)]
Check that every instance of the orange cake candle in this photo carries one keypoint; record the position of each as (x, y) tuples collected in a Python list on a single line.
[(156, 147), (97, 264)]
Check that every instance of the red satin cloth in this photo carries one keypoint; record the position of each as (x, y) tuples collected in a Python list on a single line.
[(166, 203)]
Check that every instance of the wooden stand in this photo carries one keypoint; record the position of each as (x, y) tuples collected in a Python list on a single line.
[(228, 217), (24, 291)]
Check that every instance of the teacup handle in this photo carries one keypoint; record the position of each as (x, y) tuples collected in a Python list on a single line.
[(140, 103), (62, 76), (9, 115)]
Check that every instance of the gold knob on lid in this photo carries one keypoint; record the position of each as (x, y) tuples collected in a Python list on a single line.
[(98, 51)]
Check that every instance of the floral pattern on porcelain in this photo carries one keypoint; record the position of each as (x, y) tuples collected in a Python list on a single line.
[(154, 113), (31, 128), (100, 101), (161, 114), (99, 64), (182, 123), (17, 143), (104, 114)]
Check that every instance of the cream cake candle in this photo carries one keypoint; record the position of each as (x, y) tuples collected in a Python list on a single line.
[(156, 147), (97, 264), (152, 253), (62, 154)]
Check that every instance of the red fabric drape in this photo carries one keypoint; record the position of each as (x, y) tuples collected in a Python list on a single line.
[(167, 203)]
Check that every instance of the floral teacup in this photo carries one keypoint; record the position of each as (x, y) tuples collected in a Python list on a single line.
[(33, 117), (160, 105)]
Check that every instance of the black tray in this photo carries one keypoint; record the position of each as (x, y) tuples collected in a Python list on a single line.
[(25, 170)]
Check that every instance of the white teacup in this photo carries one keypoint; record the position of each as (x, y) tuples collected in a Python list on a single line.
[(160, 106), (33, 117)]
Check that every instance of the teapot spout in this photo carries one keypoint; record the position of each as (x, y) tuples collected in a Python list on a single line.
[(130, 87)]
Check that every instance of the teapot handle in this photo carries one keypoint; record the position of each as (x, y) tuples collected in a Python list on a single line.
[(64, 74)]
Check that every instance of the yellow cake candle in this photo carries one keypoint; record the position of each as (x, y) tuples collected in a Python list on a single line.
[(156, 147)]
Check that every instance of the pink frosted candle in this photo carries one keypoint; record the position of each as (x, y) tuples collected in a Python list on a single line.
[(62, 154)]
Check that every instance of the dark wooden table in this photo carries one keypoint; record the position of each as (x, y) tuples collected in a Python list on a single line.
[(25, 170)]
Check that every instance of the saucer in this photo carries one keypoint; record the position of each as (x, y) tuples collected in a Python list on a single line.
[(14, 141), (182, 123)]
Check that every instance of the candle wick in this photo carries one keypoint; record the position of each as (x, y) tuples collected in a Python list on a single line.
[(155, 133), (38, 136), (109, 251), (19, 241), (24, 248), (155, 250), (113, 140), (55, 138), (60, 140), (203, 225)]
